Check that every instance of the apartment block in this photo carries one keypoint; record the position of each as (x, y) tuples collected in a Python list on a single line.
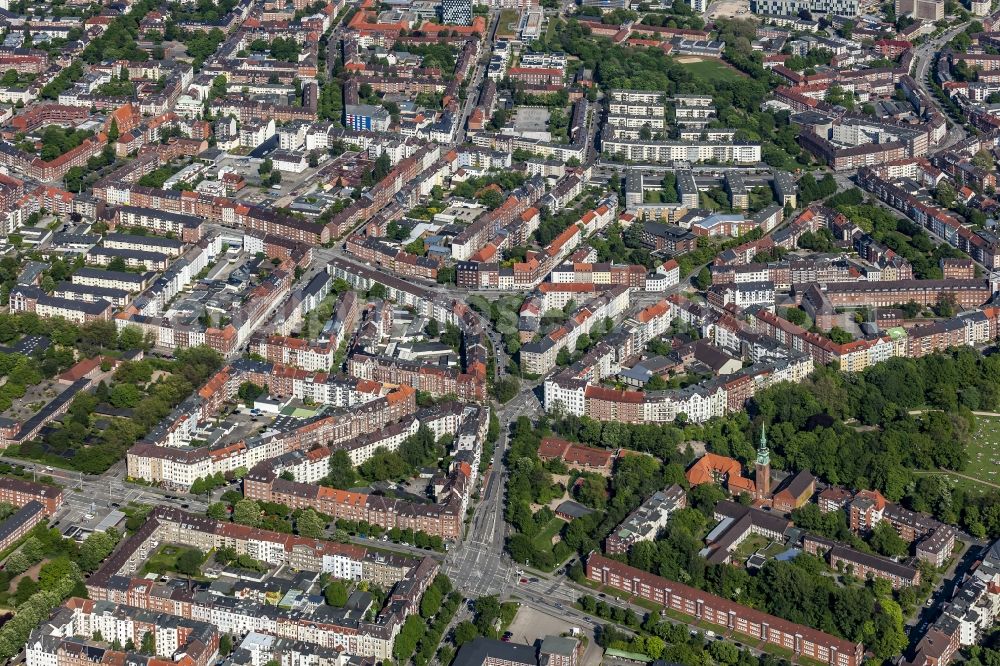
[(730, 616), (646, 521), (861, 565), (925, 10), (118, 580), (816, 7), (20, 493)]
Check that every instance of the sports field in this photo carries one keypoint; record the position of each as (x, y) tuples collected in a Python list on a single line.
[(709, 69)]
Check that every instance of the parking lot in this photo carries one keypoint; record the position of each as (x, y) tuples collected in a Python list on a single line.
[(533, 624), (532, 121)]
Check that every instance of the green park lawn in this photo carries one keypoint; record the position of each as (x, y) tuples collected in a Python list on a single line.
[(981, 472), (164, 560), (749, 546), (984, 451), (958, 482), (543, 540)]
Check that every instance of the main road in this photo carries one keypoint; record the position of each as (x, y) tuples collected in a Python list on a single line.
[(923, 56), (478, 565)]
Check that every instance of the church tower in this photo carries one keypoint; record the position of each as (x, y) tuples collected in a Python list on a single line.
[(762, 468)]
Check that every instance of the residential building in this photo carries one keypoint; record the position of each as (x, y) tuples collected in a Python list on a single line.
[(862, 565), (925, 10), (646, 521), (20, 493), (730, 616), (366, 117)]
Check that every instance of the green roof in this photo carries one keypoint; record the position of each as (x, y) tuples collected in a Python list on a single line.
[(896, 332), (298, 412)]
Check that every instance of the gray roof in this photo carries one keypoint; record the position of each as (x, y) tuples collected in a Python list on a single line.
[(574, 509), (480, 650), (21, 516), (561, 645)]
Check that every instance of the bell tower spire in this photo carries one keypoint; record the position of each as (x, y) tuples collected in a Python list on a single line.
[(763, 455)]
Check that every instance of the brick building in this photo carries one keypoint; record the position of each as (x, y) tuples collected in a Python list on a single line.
[(880, 294), (794, 492), (20, 493), (862, 565), (801, 640)]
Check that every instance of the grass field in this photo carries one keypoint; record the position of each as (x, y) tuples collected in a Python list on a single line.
[(746, 639), (647, 604), (543, 540), (981, 474), (707, 202), (749, 546), (712, 70), (163, 560), (959, 482), (677, 615), (774, 549), (653, 196)]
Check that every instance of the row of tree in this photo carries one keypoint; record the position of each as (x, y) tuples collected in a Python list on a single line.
[(422, 633)]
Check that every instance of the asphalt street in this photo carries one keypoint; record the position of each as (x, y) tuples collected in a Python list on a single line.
[(924, 55), (97, 495), (478, 566)]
